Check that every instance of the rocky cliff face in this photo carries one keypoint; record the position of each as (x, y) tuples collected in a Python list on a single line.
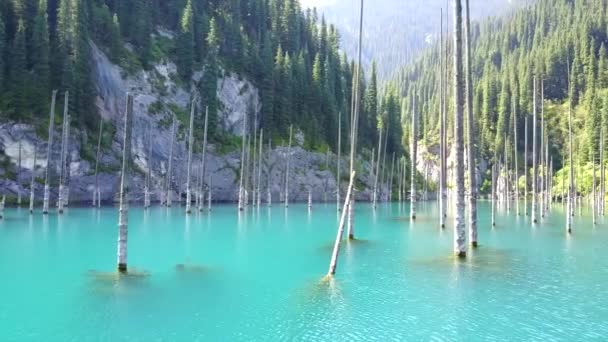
[(156, 96)]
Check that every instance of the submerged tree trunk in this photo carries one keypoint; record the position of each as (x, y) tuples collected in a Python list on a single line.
[(516, 171), (336, 251), (569, 212), (338, 173), (377, 170), (123, 219), (526, 170), (189, 165), (534, 154), (287, 168), (32, 183), (260, 158), (61, 194), (169, 179), (148, 171), (442, 130), (19, 176), (355, 126), (460, 246), (96, 192), (413, 157), (470, 133)]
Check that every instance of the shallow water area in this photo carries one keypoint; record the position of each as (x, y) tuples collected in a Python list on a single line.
[(258, 276)]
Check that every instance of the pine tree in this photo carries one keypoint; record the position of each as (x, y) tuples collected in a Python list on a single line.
[(18, 75), (40, 59), (185, 42)]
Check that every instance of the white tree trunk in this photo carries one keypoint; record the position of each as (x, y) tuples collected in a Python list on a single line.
[(471, 133), (338, 173), (259, 181), (460, 245), (168, 199), (347, 207), (377, 170), (287, 168), (189, 165), (45, 203), (60, 199), (526, 170), (534, 154), (242, 172), (516, 172), (414, 159), (19, 176), (32, 183), (123, 218), (309, 199), (209, 196), (2, 206), (96, 188)]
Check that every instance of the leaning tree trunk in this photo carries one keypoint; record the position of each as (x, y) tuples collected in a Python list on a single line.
[(168, 196), (61, 199), (347, 203), (414, 160), (189, 165), (96, 192), (32, 183), (123, 219), (45, 203), (534, 154), (470, 133), (287, 168), (460, 245)]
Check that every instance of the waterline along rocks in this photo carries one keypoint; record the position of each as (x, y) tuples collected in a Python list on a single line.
[(153, 108)]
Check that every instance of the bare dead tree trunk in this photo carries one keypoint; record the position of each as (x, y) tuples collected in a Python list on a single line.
[(534, 154), (123, 218), (189, 165), (460, 245), (414, 160), (287, 168), (169, 179), (470, 133), (334, 256), (61, 199), (338, 173), (32, 183), (96, 192)]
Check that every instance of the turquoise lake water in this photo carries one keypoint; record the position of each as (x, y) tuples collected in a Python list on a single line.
[(257, 277)]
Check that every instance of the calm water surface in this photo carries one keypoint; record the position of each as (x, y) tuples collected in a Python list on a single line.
[(257, 277)]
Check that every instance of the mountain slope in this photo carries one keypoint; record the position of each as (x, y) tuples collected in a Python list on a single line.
[(396, 30)]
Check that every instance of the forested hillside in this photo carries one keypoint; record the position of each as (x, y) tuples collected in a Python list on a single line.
[(543, 40), (292, 56), (396, 31)]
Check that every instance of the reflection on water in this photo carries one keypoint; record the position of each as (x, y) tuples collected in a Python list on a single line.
[(258, 275)]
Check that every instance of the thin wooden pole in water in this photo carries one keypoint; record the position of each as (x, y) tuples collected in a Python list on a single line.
[(334, 256), (471, 132), (526, 170), (123, 219), (242, 171), (2, 203), (260, 158), (460, 245), (543, 165), (209, 194), (287, 168), (516, 171), (534, 154), (19, 175), (149, 170), (593, 193), (377, 170), (441, 129), (548, 172), (338, 173), (189, 165), (168, 198), (204, 157), (45, 202), (268, 190), (355, 125), (602, 178), (493, 192), (255, 164), (569, 212), (61, 199), (32, 183), (414, 159), (390, 181), (96, 192)]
